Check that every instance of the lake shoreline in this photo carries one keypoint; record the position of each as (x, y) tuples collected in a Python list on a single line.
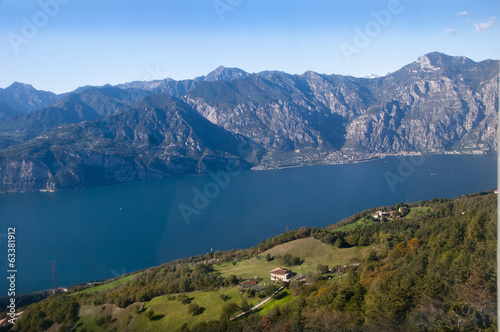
[(260, 168)]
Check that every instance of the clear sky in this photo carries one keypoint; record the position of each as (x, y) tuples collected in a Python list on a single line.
[(59, 45)]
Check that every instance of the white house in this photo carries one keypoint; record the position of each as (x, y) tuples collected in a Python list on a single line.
[(280, 274)]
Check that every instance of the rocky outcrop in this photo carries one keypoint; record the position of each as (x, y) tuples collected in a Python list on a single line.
[(434, 105)]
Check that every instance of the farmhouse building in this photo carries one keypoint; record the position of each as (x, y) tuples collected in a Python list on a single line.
[(280, 274)]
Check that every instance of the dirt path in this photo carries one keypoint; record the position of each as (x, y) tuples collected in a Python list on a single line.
[(260, 304)]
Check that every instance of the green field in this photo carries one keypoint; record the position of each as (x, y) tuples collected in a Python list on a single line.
[(171, 314), (109, 285), (310, 250), (355, 225), (284, 297), (416, 212)]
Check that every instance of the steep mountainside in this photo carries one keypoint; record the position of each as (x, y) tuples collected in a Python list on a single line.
[(437, 104), (6, 111), (156, 138), (434, 105)]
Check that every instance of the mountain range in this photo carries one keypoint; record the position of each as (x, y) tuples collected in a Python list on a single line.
[(151, 130)]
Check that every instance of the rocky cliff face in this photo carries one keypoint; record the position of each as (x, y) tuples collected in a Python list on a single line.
[(443, 104), (104, 135), (437, 104)]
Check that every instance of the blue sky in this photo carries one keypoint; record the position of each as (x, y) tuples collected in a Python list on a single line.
[(59, 45)]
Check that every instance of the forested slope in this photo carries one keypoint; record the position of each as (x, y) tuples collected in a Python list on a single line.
[(429, 266)]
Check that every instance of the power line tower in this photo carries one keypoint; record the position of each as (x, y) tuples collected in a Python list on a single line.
[(54, 279)]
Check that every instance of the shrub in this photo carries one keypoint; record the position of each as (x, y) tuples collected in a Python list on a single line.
[(150, 314), (195, 309), (224, 297)]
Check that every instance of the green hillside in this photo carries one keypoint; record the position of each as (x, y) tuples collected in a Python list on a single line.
[(431, 266)]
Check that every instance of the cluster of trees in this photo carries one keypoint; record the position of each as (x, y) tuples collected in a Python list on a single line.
[(24, 300), (61, 309), (170, 278), (289, 260), (289, 236)]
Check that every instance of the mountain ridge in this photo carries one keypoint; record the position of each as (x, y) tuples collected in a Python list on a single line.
[(436, 104)]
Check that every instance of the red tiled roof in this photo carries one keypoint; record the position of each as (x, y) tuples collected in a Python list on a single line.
[(250, 282), (279, 270)]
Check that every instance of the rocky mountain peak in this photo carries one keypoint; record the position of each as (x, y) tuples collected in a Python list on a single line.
[(226, 74), (25, 98), (435, 61), (19, 85), (311, 74), (430, 62)]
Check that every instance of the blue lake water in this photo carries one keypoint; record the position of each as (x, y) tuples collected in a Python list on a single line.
[(103, 232)]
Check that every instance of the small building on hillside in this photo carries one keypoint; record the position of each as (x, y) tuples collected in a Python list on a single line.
[(248, 284), (280, 274), (381, 215), (251, 285)]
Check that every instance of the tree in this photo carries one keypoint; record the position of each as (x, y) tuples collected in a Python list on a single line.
[(480, 289), (232, 280), (296, 261), (270, 290), (268, 257), (245, 306), (298, 322), (322, 268), (289, 260), (372, 257), (250, 293), (228, 310), (224, 297), (184, 299), (413, 244), (150, 314), (195, 309), (352, 240)]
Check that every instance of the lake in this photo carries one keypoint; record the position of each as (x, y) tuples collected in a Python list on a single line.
[(100, 233)]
